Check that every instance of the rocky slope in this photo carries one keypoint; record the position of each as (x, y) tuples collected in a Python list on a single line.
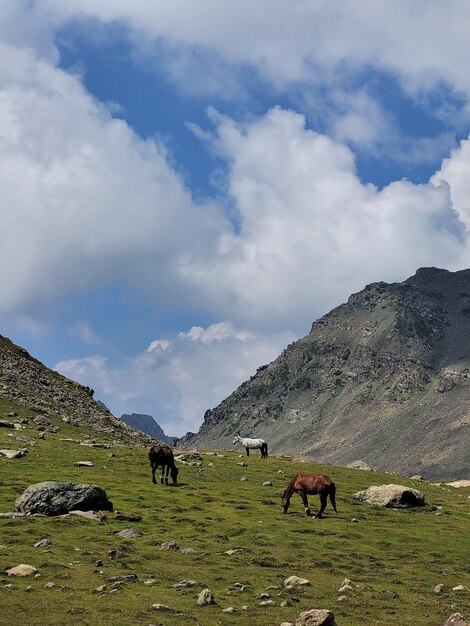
[(27, 382), (383, 378), (147, 424)]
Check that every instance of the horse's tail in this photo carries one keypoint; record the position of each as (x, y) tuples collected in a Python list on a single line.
[(332, 496)]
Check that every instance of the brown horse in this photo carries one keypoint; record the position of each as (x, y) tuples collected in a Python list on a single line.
[(312, 484), (162, 456)]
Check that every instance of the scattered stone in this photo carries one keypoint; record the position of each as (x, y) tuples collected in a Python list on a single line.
[(205, 597), (243, 464), (391, 496), (99, 589), (243, 478), (6, 424), (212, 465), (345, 588), (341, 598), (42, 436), (12, 414), (267, 483), (438, 588), (26, 440), (55, 498), (44, 543), (233, 551), (83, 464), (416, 477), (49, 585), (99, 563), (124, 578), (115, 554), (129, 517), (188, 456), (21, 570), (316, 617), (187, 550), (456, 619), (185, 583), (295, 581), (99, 516), (229, 609), (280, 471), (169, 545), (11, 514), (13, 454), (41, 420), (459, 483), (360, 465), (267, 603), (460, 588), (161, 607), (354, 520), (150, 581), (129, 533), (287, 623)]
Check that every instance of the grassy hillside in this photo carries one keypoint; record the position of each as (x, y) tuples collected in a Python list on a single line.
[(394, 558)]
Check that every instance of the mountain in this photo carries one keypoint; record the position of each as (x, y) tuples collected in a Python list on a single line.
[(383, 378), (147, 424), (26, 382)]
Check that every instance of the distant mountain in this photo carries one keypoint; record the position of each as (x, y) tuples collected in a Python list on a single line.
[(147, 424), (383, 378), (27, 382)]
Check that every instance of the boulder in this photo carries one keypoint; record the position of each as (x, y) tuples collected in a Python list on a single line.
[(205, 597), (392, 496), (21, 570), (295, 581), (316, 617), (54, 498), (6, 424), (13, 454), (359, 465)]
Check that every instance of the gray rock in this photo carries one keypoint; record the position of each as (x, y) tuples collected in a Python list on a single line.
[(13, 454), (41, 420), (316, 617), (267, 483), (44, 543), (83, 464), (21, 570), (185, 583), (359, 465), (295, 581), (169, 545), (54, 498), (6, 424), (456, 619), (129, 533), (205, 597), (392, 496)]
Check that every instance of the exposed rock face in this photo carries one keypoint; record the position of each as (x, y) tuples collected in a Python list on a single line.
[(147, 424), (384, 378), (316, 617), (391, 496), (54, 498), (26, 381)]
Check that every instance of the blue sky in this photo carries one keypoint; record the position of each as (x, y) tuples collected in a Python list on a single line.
[(185, 187)]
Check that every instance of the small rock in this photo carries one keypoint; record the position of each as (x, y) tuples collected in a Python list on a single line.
[(354, 520), (21, 570), (205, 597), (41, 420), (83, 464), (169, 545), (229, 609), (341, 598), (115, 554), (129, 533), (243, 464), (233, 551), (267, 483), (287, 623), (243, 478), (99, 589), (187, 550), (99, 563), (267, 603), (295, 581), (280, 471), (161, 607), (460, 588), (456, 620), (150, 581), (316, 617), (49, 585), (185, 583), (345, 588), (361, 465), (438, 588), (99, 516), (44, 543), (13, 454), (6, 424)]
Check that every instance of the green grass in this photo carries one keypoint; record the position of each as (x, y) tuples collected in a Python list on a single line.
[(394, 558)]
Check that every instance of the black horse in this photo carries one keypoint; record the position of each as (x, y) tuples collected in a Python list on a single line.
[(162, 456)]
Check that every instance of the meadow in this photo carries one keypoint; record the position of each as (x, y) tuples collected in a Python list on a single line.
[(241, 545)]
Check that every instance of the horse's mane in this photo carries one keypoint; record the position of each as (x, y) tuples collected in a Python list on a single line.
[(289, 487)]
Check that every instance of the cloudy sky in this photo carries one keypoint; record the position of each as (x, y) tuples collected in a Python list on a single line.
[(186, 186)]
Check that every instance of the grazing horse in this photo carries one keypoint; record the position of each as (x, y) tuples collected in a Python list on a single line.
[(312, 484), (162, 456), (252, 443)]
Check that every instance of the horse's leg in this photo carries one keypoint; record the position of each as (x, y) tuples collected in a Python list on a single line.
[(247, 451), (323, 497), (303, 495), (166, 475), (161, 477), (154, 467)]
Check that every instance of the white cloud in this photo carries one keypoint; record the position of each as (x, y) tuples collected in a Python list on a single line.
[(177, 386), (84, 332), (85, 201)]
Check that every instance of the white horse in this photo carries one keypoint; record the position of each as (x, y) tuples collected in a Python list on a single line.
[(248, 443)]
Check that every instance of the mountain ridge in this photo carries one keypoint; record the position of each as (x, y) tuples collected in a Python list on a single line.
[(383, 378)]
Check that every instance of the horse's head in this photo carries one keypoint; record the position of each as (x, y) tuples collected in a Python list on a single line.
[(236, 439), (285, 502), (174, 473)]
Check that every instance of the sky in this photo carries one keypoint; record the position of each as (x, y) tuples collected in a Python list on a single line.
[(186, 186)]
